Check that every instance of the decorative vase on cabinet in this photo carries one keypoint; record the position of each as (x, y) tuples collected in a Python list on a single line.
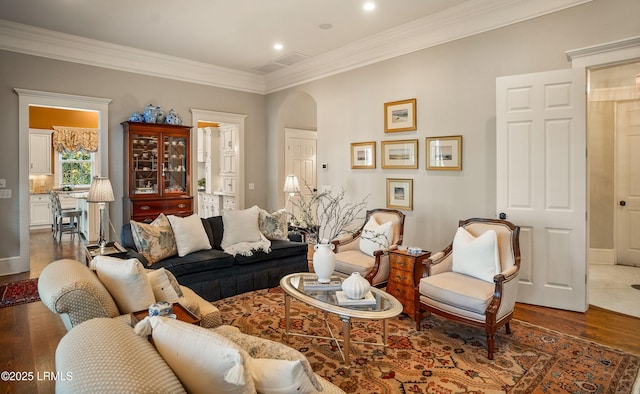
[(324, 261), (157, 170)]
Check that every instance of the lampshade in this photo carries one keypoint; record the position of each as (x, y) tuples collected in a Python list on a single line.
[(100, 190), (291, 184)]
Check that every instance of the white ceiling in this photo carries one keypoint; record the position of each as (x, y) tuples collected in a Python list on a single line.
[(238, 35)]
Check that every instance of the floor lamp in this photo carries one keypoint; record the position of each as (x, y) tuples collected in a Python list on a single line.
[(101, 192), (292, 187)]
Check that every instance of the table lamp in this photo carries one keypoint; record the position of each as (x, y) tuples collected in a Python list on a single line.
[(101, 192)]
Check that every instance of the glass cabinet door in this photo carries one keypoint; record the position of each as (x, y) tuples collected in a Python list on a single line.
[(144, 150), (174, 165)]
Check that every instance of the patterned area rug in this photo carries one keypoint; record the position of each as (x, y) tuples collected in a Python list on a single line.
[(444, 357), (21, 292)]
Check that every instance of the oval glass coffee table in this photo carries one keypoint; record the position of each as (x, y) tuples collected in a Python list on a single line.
[(325, 299)]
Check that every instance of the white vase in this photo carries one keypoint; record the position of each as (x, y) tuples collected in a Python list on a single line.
[(324, 261), (355, 287)]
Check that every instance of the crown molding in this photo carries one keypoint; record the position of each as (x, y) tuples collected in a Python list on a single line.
[(31, 40), (464, 20), (469, 18)]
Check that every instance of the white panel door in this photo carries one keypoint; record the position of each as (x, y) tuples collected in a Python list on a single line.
[(541, 182), (300, 156), (628, 183)]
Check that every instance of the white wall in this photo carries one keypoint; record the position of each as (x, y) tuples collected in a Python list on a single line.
[(454, 85)]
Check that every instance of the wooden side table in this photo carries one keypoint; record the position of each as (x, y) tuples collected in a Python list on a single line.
[(401, 278)]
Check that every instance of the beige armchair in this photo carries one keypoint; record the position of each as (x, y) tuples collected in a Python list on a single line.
[(70, 289), (461, 290), (366, 250)]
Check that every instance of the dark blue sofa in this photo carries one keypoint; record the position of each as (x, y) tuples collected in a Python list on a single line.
[(214, 274)]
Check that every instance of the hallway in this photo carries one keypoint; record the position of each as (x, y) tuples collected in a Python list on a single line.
[(610, 288)]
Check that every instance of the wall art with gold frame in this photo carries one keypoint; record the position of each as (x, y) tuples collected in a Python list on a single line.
[(363, 155), (400, 116)]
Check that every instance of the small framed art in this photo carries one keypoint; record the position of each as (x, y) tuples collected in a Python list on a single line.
[(363, 155), (400, 194), (444, 153), (400, 154), (400, 116)]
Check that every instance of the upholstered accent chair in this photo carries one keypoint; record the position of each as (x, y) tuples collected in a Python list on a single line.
[(474, 280), (366, 250)]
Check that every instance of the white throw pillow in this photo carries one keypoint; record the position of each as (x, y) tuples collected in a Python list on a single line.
[(275, 367), (375, 236), (189, 233), (163, 289), (203, 360), (240, 226), (279, 376), (126, 281), (476, 257)]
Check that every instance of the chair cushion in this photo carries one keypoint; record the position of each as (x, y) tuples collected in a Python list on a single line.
[(476, 257), (375, 236), (189, 233), (458, 290), (196, 262), (155, 241), (354, 260)]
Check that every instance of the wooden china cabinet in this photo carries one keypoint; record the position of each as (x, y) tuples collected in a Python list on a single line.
[(157, 171)]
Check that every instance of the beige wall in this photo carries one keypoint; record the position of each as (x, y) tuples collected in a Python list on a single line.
[(454, 85), (129, 93)]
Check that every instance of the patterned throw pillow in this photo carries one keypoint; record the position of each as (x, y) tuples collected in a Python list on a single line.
[(266, 354), (155, 241), (274, 225)]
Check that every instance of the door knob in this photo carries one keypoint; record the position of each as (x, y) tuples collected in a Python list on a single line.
[(623, 203), (502, 216)]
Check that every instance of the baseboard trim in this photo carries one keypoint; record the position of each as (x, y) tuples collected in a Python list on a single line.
[(601, 256), (12, 265)]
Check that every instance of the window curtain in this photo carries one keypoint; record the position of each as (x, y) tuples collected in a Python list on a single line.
[(73, 139)]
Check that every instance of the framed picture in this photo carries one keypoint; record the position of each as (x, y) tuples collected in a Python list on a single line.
[(400, 154), (363, 155), (400, 116), (444, 153), (400, 194)]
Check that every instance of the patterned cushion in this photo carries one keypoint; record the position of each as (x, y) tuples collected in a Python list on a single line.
[(155, 241), (274, 225), (260, 348)]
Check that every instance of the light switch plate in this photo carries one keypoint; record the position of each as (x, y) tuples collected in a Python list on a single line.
[(5, 193), (3, 183)]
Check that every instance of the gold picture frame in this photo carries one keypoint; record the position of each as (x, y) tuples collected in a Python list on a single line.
[(363, 155), (400, 116), (400, 194), (399, 154), (444, 153)]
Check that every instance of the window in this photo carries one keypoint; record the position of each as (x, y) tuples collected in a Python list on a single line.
[(76, 168)]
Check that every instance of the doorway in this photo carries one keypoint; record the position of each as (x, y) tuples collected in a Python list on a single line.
[(26, 99), (613, 243)]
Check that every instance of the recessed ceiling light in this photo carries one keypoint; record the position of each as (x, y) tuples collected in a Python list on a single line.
[(325, 26), (278, 46), (369, 6)]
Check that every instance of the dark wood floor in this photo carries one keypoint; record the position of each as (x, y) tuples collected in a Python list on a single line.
[(30, 333)]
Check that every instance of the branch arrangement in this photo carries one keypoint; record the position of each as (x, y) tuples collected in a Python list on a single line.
[(327, 215)]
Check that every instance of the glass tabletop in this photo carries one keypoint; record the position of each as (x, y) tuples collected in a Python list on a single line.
[(326, 294)]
